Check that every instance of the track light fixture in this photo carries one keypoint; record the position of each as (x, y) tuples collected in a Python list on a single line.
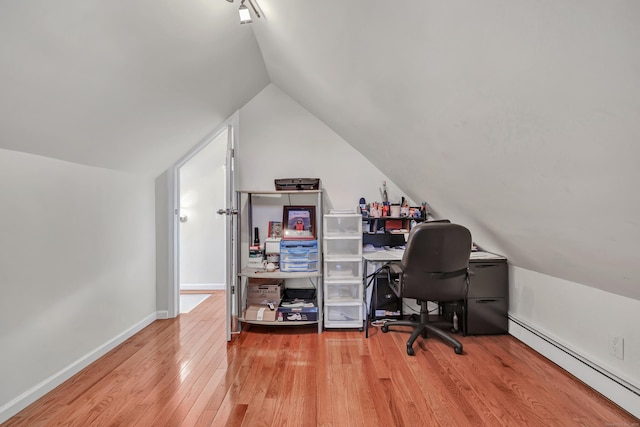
[(245, 16)]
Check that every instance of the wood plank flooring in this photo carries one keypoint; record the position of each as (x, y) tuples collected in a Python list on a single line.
[(182, 372)]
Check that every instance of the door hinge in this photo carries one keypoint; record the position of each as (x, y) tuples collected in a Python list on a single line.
[(233, 289)]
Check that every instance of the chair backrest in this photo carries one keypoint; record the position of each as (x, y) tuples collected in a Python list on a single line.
[(435, 262)]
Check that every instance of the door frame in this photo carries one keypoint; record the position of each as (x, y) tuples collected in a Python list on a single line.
[(173, 300)]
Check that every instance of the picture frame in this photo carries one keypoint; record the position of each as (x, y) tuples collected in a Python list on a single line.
[(299, 222), (275, 230)]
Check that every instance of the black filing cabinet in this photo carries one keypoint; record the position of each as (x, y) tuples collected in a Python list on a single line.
[(487, 303)]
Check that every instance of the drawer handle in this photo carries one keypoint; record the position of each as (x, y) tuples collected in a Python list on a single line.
[(484, 301)]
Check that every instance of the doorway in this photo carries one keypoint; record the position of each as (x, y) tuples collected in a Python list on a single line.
[(201, 234), (202, 192), (202, 255)]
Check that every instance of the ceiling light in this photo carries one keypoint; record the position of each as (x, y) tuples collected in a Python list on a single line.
[(245, 16)]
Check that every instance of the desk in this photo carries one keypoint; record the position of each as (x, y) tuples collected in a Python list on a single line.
[(487, 302), (379, 256)]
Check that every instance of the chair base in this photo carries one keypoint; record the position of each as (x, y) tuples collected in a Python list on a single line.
[(421, 328)]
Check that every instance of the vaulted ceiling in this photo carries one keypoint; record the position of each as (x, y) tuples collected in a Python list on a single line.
[(129, 85), (519, 119)]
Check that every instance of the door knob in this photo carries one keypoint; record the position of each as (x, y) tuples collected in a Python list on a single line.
[(227, 212)]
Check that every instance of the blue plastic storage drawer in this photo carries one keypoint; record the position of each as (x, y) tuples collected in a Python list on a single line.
[(298, 246), (292, 267), (298, 255)]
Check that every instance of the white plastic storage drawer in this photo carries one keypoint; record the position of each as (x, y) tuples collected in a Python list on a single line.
[(343, 269), (343, 291), (341, 225), (343, 247), (347, 315)]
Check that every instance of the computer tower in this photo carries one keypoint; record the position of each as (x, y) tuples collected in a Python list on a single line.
[(385, 302)]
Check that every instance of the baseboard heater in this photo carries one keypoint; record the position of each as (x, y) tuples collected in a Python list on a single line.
[(599, 369)]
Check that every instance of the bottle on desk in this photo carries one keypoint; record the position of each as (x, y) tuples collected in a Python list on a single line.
[(256, 237), (455, 321)]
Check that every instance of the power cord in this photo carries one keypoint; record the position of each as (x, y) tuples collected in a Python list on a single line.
[(381, 322)]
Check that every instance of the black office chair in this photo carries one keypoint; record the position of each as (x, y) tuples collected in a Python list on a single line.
[(434, 267)]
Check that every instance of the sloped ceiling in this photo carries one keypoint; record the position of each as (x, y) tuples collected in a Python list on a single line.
[(518, 119), (128, 85)]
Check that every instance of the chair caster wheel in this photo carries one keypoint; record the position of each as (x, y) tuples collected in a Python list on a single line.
[(458, 350), (385, 328), (410, 351)]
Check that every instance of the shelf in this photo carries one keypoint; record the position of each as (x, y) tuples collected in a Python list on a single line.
[(342, 257), (272, 192), (383, 218), (265, 323), (255, 209), (256, 272)]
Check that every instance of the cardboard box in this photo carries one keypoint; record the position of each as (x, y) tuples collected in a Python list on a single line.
[(263, 291), (264, 281), (260, 313)]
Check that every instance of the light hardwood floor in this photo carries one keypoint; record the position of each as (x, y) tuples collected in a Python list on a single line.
[(181, 372)]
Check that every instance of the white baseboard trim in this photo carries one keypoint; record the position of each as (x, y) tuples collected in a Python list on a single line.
[(163, 314), (203, 287), (616, 389), (16, 405)]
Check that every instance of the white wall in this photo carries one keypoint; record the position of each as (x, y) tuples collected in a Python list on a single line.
[(518, 119), (76, 268), (280, 139), (202, 236), (164, 238), (580, 318)]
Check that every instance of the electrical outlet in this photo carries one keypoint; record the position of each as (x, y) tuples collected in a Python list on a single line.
[(616, 346)]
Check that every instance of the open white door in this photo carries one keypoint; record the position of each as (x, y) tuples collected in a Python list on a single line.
[(231, 212)]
